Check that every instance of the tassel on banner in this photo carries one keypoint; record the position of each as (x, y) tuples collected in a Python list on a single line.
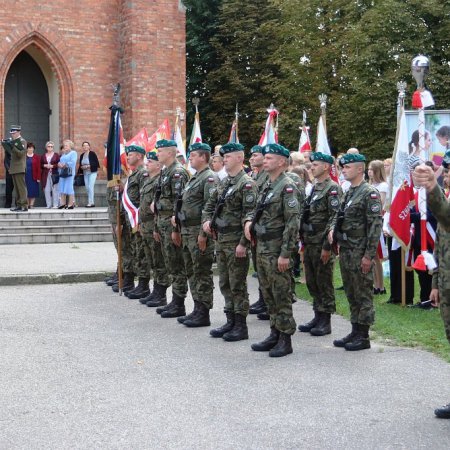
[(425, 262)]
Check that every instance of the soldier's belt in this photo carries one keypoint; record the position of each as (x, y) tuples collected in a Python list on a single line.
[(272, 235), (350, 234), (191, 222), (229, 229), (310, 228), (166, 213)]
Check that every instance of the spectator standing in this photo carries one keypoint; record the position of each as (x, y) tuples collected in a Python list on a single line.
[(32, 174), (89, 166), (68, 160), (217, 164), (49, 168)]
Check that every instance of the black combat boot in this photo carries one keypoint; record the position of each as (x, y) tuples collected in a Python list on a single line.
[(348, 338), (157, 297), (182, 319), (259, 306), (361, 341), (141, 291), (200, 319), (177, 310), (263, 316), (443, 412), (228, 326), (128, 283), (144, 300), (308, 326), (239, 331), (111, 279), (283, 347), (268, 343), (323, 327)]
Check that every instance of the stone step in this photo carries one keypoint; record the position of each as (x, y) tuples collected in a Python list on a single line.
[(55, 238), (51, 229), (44, 213), (73, 221)]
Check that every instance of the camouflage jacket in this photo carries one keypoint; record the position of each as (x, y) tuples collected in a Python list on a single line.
[(440, 207), (172, 182), (240, 194), (277, 228), (299, 185), (260, 178), (361, 227), (323, 203), (135, 182), (17, 148), (146, 217), (195, 195)]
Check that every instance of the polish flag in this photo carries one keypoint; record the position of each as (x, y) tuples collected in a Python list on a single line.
[(304, 144), (270, 134), (130, 208), (196, 135), (323, 146)]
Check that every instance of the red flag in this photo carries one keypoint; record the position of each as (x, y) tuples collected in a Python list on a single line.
[(140, 139), (270, 134), (163, 132), (304, 144)]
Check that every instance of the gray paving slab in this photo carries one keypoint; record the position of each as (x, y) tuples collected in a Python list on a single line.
[(84, 368)]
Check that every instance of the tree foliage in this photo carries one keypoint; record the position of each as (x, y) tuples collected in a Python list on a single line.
[(289, 52)]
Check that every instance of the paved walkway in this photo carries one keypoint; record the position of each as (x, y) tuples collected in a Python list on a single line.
[(82, 367)]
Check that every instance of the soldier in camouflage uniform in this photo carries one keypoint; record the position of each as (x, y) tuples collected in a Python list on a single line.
[(224, 215), (274, 225), (261, 178), (440, 207), (135, 157), (152, 248), (357, 230), (198, 247), (170, 186), (319, 212)]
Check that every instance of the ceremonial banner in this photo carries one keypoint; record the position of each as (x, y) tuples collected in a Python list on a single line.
[(323, 146), (196, 135), (163, 132), (140, 139), (234, 138), (132, 211), (304, 144), (270, 135), (399, 216), (115, 151)]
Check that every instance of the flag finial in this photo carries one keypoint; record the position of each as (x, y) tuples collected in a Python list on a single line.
[(420, 66), (401, 88), (323, 102), (116, 94), (304, 118), (196, 102)]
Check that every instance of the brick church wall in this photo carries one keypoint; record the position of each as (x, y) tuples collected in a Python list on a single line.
[(91, 45)]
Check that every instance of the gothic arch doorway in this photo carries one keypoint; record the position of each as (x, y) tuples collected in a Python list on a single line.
[(27, 97)]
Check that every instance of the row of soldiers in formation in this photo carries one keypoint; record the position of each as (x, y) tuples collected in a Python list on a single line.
[(184, 220)]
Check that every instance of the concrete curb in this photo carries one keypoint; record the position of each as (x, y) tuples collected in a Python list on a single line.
[(52, 278)]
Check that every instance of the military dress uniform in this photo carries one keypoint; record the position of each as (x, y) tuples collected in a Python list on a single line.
[(171, 184), (358, 236), (152, 248), (276, 221), (238, 194), (321, 209), (198, 263)]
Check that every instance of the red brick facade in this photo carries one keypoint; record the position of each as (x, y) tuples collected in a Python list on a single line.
[(92, 44)]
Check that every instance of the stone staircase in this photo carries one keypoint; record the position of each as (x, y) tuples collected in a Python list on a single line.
[(51, 226)]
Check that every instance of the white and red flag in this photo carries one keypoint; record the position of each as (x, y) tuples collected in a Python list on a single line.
[(323, 146), (163, 132), (305, 143), (130, 208), (270, 134), (196, 135), (399, 215)]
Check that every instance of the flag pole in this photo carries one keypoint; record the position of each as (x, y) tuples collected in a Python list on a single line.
[(323, 109), (236, 115), (403, 269)]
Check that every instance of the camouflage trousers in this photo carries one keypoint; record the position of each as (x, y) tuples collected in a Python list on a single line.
[(233, 278), (173, 258), (358, 287), (319, 279), (276, 288), (199, 268), (155, 259), (140, 264), (112, 212), (444, 296)]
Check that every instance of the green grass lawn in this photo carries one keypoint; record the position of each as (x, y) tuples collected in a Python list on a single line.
[(395, 325)]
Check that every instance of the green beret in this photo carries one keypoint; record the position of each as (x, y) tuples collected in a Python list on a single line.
[(164, 143), (256, 149), (135, 148), (199, 146), (231, 147), (349, 158), (152, 156), (276, 149), (446, 160), (319, 156)]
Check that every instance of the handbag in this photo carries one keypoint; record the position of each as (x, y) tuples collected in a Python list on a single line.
[(55, 177), (79, 180), (66, 172)]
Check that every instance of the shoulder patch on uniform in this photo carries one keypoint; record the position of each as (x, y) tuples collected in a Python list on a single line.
[(289, 189), (292, 202), (249, 198), (210, 179), (373, 195), (334, 202), (145, 174), (333, 192), (375, 207), (177, 175), (248, 185)]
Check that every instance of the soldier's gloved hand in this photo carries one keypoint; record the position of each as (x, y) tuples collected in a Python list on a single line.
[(247, 231), (424, 176), (207, 227), (434, 297), (176, 238), (283, 264), (201, 241), (366, 265), (325, 256), (241, 251), (156, 236)]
